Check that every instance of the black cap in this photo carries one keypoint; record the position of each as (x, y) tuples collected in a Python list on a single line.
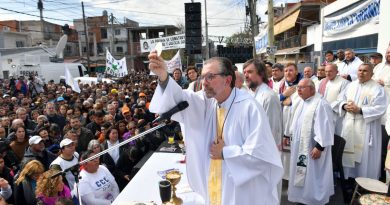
[(376, 55)]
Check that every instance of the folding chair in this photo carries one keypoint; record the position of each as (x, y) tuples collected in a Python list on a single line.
[(371, 185)]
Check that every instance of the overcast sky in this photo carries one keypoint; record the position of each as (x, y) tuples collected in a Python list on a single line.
[(225, 17)]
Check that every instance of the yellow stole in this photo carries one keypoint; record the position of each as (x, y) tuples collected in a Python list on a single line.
[(215, 173)]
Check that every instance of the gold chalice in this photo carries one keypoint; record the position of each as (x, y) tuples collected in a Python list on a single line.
[(174, 177)]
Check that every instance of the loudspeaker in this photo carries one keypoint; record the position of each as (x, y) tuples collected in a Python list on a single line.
[(193, 27)]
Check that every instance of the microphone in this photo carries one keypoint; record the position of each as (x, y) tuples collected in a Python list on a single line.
[(179, 107)]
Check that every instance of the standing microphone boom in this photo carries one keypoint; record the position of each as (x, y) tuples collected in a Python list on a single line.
[(167, 115)]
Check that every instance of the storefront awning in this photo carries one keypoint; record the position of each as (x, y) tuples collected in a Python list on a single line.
[(289, 51), (286, 23)]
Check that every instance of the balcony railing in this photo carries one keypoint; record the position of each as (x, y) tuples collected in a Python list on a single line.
[(291, 42)]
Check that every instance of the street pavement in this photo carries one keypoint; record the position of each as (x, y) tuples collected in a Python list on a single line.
[(336, 199)]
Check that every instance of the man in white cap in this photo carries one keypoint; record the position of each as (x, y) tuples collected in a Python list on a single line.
[(68, 157), (37, 151)]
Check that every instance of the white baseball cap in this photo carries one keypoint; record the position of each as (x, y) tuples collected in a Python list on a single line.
[(35, 140), (65, 142)]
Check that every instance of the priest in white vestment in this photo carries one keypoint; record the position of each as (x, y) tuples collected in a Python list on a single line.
[(382, 76), (340, 58), (349, 68), (251, 166), (287, 96), (277, 77), (256, 78), (308, 72), (332, 88), (311, 172), (362, 107)]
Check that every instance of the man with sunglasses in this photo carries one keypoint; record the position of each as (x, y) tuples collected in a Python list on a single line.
[(232, 157)]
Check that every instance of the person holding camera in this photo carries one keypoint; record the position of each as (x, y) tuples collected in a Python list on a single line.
[(35, 85)]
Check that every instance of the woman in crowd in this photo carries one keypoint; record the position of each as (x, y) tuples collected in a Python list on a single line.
[(131, 126), (49, 189), (25, 184), (192, 76), (112, 157), (77, 112), (20, 143), (34, 115), (103, 130), (121, 128), (94, 146), (62, 110)]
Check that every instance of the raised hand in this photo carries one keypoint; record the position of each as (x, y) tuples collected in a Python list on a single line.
[(157, 66)]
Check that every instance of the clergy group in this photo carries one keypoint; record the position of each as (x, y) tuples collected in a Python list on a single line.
[(245, 132)]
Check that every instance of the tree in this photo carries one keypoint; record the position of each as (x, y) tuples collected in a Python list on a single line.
[(181, 26), (239, 39)]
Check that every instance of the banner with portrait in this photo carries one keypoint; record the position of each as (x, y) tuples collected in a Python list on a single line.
[(169, 42)]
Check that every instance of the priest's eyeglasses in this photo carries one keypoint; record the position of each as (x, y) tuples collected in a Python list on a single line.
[(209, 76), (303, 87)]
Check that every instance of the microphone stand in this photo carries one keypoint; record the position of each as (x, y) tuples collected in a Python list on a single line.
[(75, 168)]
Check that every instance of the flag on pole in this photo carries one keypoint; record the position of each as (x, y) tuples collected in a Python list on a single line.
[(115, 67), (71, 81)]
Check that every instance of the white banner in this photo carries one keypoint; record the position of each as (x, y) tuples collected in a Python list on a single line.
[(116, 68), (261, 41), (363, 13), (170, 42), (71, 81), (175, 62)]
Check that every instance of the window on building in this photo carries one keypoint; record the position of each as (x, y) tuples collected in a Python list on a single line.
[(68, 49), (19, 44), (117, 32), (119, 49), (103, 32)]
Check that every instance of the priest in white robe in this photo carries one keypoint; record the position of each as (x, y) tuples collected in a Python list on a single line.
[(311, 172), (256, 78), (362, 107), (382, 76), (332, 88), (349, 68), (288, 96), (251, 166), (255, 73)]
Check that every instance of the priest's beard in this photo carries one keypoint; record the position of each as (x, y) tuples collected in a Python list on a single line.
[(210, 92), (253, 85)]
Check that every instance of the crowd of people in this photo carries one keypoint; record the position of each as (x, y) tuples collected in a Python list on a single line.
[(46, 128)]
